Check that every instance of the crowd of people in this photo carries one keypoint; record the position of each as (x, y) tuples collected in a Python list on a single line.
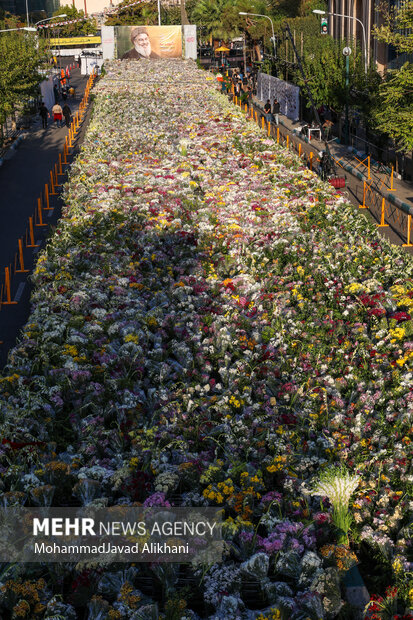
[(272, 112), (60, 115), (243, 85)]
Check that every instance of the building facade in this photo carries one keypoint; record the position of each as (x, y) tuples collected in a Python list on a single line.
[(18, 7), (355, 21)]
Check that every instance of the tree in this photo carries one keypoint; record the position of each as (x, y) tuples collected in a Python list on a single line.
[(393, 115), (184, 16), (77, 29), (325, 67), (139, 14), (21, 60), (393, 110), (215, 16), (397, 27)]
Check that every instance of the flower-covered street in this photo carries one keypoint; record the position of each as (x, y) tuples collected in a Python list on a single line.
[(212, 326)]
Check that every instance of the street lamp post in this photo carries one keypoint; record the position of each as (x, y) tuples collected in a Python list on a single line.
[(49, 18), (26, 28), (347, 52), (320, 12), (272, 26)]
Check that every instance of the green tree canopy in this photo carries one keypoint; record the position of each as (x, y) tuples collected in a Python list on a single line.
[(393, 110), (393, 113), (77, 29), (216, 17), (397, 27), (21, 61), (323, 62), (139, 14)]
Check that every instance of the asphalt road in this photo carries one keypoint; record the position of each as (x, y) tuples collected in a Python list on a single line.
[(22, 179)]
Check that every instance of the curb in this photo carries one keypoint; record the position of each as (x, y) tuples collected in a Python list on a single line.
[(8, 151), (362, 154), (404, 206), (356, 173)]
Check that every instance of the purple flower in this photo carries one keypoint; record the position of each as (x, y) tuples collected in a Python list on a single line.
[(157, 499)]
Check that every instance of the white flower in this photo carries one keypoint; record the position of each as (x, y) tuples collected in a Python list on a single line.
[(338, 485)]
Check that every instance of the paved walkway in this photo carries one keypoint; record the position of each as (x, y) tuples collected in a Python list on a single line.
[(23, 175)]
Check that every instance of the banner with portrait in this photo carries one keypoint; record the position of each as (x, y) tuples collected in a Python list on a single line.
[(288, 95), (152, 42)]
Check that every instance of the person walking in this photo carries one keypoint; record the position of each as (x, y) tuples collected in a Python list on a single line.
[(56, 93), (276, 110), (44, 113), (57, 114), (67, 113)]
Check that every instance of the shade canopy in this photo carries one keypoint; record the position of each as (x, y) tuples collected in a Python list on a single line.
[(222, 49)]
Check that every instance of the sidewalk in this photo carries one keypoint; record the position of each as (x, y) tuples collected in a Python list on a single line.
[(23, 175), (397, 194)]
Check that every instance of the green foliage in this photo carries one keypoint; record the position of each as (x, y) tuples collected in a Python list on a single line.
[(140, 14), (325, 66), (77, 29), (397, 26), (393, 112), (171, 16), (10, 21), (218, 18), (21, 59)]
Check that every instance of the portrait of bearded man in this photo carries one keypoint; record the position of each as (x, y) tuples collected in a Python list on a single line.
[(141, 45)]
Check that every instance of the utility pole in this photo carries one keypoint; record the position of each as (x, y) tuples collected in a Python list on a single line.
[(245, 57), (347, 52)]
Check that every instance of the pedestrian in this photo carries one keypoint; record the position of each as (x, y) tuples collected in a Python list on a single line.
[(267, 110), (44, 114), (249, 96), (72, 92), (276, 110), (56, 93), (57, 114), (67, 113)]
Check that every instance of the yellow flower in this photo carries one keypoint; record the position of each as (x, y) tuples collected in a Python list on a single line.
[(355, 287), (70, 350), (131, 338), (401, 361), (397, 333)]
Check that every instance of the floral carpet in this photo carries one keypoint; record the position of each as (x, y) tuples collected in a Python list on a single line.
[(212, 326)]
